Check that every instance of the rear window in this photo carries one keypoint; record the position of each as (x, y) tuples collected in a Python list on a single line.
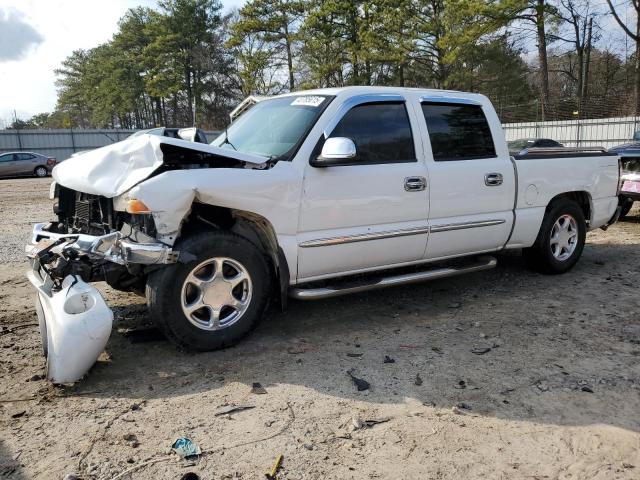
[(458, 132)]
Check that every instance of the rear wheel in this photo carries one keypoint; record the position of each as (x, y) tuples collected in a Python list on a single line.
[(41, 172), (561, 239), (213, 301)]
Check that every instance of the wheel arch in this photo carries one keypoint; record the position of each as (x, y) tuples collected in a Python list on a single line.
[(252, 226), (581, 197)]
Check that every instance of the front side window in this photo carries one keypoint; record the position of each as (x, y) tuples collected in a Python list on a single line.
[(381, 132), (458, 132), (7, 157), (274, 128), (24, 156)]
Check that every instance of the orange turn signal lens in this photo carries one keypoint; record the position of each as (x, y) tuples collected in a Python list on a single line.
[(137, 206)]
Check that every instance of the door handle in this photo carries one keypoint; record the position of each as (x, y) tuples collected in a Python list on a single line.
[(493, 179), (415, 184)]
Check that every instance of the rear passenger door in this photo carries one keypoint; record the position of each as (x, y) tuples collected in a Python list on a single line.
[(471, 178)]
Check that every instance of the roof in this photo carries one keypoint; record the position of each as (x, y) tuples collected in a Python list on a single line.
[(370, 89)]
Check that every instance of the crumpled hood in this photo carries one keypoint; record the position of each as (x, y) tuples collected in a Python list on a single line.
[(112, 170)]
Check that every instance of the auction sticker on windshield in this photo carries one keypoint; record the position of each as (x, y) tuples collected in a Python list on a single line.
[(308, 101)]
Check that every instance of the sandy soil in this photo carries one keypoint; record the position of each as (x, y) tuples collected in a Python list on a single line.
[(557, 396)]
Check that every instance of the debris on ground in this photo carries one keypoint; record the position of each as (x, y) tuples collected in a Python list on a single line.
[(233, 409), (542, 386), (454, 305), (186, 448), (258, 389), (388, 359), (481, 350), (463, 406), (358, 424), (131, 440), (274, 469), (354, 355), (418, 380), (360, 384)]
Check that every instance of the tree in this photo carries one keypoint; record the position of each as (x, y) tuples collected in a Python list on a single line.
[(538, 14), (275, 22), (578, 16), (636, 38)]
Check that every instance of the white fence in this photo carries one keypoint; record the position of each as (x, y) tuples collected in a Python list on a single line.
[(605, 132)]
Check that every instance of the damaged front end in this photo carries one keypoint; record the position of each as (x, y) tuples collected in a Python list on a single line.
[(98, 236)]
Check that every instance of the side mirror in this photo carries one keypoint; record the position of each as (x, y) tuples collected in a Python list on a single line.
[(336, 151), (636, 136), (192, 134)]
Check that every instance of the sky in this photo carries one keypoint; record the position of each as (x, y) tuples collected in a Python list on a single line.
[(37, 35)]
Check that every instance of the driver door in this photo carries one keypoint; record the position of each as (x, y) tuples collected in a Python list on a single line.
[(372, 211)]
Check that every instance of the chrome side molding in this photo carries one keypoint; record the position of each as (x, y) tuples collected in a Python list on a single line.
[(325, 242), (461, 226)]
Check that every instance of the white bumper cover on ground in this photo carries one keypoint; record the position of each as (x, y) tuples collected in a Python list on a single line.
[(75, 323)]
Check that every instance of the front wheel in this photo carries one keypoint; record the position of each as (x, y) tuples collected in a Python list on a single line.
[(214, 300), (561, 239)]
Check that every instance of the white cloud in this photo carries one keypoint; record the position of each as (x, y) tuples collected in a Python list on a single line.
[(64, 25), (17, 37)]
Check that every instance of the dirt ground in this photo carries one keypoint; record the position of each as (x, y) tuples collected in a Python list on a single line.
[(557, 396)]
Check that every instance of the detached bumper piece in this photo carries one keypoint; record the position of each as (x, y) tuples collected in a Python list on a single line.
[(75, 324)]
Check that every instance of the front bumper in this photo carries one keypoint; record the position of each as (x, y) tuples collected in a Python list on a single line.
[(113, 247)]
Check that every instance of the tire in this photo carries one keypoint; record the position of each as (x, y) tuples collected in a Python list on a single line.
[(174, 290), (555, 257), (41, 172), (626, 205)]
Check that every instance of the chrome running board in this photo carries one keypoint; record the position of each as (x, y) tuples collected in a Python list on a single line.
[(311, 293)]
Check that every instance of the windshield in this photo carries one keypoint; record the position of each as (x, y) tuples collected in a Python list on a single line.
[(519, 144), (274, 128)]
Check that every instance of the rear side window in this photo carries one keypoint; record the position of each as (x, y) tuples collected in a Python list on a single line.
[(458, 132), (381, 132)]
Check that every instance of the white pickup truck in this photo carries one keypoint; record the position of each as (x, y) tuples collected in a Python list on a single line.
[(310, 195)]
